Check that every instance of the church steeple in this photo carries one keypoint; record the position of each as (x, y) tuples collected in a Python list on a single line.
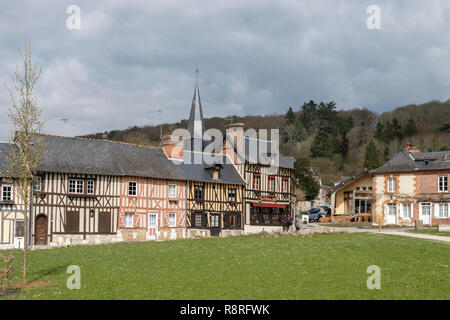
[(196, 126)]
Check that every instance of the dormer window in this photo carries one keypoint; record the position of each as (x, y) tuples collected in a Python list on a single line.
[(447, 157)]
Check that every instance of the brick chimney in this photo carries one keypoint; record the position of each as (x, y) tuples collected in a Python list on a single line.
[(235, 131), (411, 149), (172, 147)]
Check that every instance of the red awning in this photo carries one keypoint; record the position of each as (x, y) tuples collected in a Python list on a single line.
[(268, 205)]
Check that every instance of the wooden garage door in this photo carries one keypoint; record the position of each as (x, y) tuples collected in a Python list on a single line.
[(72, 221), (104, 222)]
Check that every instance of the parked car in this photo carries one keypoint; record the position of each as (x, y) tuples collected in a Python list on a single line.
[(326, 208), (313, 210), (314, 217)]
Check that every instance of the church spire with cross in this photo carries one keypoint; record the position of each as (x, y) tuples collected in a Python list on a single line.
[(196, 126)]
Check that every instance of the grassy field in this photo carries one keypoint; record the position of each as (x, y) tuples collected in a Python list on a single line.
[(433, 232), (255, 267)]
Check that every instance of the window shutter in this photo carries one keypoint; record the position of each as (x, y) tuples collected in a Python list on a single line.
[(412, 210), (436, 210)]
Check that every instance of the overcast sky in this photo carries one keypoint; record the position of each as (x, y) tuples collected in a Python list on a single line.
[(254, 57)]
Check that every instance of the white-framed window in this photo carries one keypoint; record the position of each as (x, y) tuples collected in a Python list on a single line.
[(7, 192), (443, 184), (392, 185), (132, 188), (129, 220), (172, 191), (441, 210), (407, 210), (37, 185), (172, 219), (90, 186), (76, 186), (152, 220)]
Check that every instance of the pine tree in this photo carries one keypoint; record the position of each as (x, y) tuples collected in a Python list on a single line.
[(372, 156), (397, 129), (410, 128), (321, 146), (290, 116)]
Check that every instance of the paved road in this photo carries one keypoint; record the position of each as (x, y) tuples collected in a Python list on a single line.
[(389, 231)]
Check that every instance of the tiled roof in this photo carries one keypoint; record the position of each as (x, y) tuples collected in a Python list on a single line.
[(405, 161)]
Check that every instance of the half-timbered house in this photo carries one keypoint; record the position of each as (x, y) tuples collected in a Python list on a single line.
[(214, 191), (153, 199), (269, 194), (214, 198), (11, 205)]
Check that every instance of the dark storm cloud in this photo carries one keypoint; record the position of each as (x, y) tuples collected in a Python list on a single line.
[(254, 57)]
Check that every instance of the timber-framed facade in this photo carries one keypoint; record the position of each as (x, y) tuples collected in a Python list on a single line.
[(214, 209)]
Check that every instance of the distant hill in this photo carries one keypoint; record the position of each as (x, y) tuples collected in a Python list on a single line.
[(334, 141)]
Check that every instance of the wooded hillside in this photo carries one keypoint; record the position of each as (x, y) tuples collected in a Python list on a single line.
[(335, 142)]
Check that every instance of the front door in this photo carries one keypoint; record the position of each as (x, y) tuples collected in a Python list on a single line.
[(152, 226), (215, 225), (392, 214), (19, 234), (41, 230), (425, 214)]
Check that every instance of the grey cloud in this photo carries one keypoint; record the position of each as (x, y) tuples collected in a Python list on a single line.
[(254, 56)]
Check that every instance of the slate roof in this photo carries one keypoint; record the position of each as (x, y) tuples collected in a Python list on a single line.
[(103, 157), (196, 125), (4, 151), (405, 161), (203, 171), (255, 151)]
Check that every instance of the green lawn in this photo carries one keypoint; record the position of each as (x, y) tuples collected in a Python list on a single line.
[(255, 267), (434, 232)]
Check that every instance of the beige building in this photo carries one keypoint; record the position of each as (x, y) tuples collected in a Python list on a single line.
[(413, 186), (352, 195)]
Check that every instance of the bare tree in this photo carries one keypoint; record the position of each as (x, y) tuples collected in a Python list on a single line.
[(27, 144)]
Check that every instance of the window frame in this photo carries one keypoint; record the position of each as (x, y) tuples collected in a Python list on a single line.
[(11, 192), (77, 181), (40, 184), (394, 185), (403, 206), (87, 186), (256, 180), (174, 215), (175, 190), (443, 184), (438, 210), (129, 214), (232, 195), (199, 187), (155, 225), (135, 188)]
